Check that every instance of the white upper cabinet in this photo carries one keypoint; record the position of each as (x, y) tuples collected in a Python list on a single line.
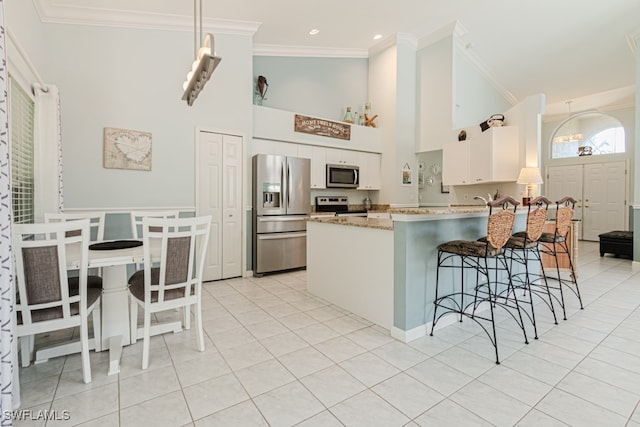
[(455, 163), (317, 155), (493, 156), (341, 157), (369, 171)]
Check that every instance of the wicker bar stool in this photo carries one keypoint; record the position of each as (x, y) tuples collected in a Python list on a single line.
[(556, 244), (524, 248), (487, 259)]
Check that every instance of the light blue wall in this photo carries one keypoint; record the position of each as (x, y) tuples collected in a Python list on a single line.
[(431, 194), (321, 87), (416, 260), (132, 79)]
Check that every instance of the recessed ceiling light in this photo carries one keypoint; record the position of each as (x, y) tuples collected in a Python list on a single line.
[(314, 32), (377, 37)]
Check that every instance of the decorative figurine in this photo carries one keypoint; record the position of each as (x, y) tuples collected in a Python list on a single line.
[(369, 121), (261, 90), (369, 117)]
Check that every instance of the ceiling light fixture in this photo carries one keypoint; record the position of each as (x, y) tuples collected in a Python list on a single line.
[(377, 37), (205, 61), (314, 32), (570, 136)]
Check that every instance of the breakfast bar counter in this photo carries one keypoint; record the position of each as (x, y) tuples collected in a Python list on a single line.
[(357, 221), (385, 270)]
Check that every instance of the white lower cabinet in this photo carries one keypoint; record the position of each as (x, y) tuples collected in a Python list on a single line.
[(493, 156)]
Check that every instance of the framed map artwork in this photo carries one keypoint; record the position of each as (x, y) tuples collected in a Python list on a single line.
[(127, 149)]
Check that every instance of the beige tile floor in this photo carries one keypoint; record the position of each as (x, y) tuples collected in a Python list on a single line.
[(275, 355)]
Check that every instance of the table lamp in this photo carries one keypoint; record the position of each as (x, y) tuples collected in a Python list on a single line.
[(529, 177)]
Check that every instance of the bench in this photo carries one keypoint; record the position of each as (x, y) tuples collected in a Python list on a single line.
[(617, 243)]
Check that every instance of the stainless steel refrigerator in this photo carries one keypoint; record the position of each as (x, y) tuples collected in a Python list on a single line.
[(281, 207)]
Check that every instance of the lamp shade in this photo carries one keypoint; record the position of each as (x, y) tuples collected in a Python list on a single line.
[(529, 176)]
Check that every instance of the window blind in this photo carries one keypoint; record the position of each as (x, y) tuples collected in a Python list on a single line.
[(21, 129)]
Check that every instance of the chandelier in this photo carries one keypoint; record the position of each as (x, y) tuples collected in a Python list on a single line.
[(571, 136), (205, 61)]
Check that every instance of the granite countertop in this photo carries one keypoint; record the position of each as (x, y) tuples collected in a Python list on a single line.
[(323, 214), (357, 221), (439, 210)]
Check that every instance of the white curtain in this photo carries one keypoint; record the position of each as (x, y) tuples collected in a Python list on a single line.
[(48, 152), (8, 344)]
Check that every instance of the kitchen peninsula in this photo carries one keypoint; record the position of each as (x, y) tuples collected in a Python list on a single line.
[(385, 270)]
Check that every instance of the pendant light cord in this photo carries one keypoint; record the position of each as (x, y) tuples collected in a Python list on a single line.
[(195, 26)]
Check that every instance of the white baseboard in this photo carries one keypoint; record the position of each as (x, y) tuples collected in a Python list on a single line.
[(410, 335), (421, 331)]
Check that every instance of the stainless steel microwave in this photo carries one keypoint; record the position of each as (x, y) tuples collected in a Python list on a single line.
[(343, 176)]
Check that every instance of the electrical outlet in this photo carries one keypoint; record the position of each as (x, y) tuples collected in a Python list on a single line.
[(466, 196)]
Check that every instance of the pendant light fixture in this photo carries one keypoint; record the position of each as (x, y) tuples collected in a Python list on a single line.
[(570, 136), (205, 61)]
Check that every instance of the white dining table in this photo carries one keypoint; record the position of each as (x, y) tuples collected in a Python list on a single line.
[(115, 305)]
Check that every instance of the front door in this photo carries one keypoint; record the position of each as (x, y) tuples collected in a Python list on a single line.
[(604, 199), (565, 181)]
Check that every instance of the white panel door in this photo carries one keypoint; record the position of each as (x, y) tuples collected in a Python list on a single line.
[(219, 194), (565, 181), (604, 199), (209, 198), (232, 206)]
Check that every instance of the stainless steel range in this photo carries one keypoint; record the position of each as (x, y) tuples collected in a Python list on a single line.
[(337, 204)]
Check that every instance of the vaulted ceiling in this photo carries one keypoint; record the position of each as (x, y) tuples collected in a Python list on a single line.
[(580, 50)]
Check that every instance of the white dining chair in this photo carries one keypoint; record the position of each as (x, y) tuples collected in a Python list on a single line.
[(96, 220), (45, 300), (137, 216), (179, 246), (96, 224)]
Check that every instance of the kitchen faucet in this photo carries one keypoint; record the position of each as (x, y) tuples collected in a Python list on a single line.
[(483, 199)]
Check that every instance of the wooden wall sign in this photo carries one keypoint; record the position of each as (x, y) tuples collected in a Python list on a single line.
[(322, 127)]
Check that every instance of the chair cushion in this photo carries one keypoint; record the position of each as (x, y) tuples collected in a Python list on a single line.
[(136, 286), (551, 238), (56, 313), (520, 243), (469, 248)]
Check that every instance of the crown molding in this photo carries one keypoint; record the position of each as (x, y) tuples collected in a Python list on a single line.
[(453, 28), (308, 51), (463, 48), (393, 40), (77, 15)]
